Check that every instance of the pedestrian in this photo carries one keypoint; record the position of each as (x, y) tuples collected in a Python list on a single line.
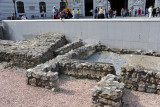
[(107, 13), (59, 12), (95, 13), (146, 12), (135, 12), (154, 12), (110, 13), (157, 12), (100, 14), (13, 17), (73, 13), (78, 12), (23, 17), (122, 12), (130, 12), (104, 12), (62, 16), (150, 11), (54, 12), (139, 12)]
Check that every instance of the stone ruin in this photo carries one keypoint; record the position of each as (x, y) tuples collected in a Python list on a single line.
[(49, 55), (140, 79), (108, 92)]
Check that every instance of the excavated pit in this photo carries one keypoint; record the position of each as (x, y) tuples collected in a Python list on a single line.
[(49, 55)]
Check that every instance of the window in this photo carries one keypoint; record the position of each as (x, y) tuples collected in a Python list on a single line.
[(20, 7), (42, 7), (31, 8)]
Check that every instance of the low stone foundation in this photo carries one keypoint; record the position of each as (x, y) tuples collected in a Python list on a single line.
[(29, 53), (136, 52), (84, 69), (139, 79), (47, 80), (108, 92), (69, 47), (54, 65)]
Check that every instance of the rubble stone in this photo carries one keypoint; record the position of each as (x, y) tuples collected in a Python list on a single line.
[(29, 53), (108, 92), (139, 79)]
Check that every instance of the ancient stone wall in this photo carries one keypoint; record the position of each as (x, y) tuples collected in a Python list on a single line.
[(108, 92), (84, 69), (1, 32), (30, 53), (75, 67), (136, 52), (47, 80), (69, 47), (139, 79)]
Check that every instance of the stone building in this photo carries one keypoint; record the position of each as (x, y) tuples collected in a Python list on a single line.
[(39, 7)]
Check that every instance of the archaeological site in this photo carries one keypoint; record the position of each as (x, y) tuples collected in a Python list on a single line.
[(48, 59)]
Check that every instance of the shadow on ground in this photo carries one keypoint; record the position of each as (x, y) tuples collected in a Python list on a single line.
[(130, 99)]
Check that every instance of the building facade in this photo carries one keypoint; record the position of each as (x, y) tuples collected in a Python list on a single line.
[(39, 8)]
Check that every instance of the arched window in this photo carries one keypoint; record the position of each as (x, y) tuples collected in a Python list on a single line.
[(42, 7), (20, 7)]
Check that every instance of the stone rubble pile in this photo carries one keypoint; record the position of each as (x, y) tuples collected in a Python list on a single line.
[(29, 53), (139, 79), (69, 47), (108, 92), (47, 80), (84, 69)]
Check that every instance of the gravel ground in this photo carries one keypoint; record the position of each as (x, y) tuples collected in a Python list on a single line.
[(73, 93), (140, 99), (106, 57), (15, 93), (118, 60)]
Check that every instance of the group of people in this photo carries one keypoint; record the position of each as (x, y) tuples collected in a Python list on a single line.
[(153, 12), (104, 13), (62, 14), (126, 12), (23, 17)]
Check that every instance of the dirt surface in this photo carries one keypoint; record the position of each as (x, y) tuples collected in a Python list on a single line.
[(15, 93), (140, 99), (148, 62), (73, 93)]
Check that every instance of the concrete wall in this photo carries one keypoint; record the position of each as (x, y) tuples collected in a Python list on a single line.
[(1, 32), (117, 33)]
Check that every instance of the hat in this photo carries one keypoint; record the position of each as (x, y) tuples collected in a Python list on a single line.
[(54, 6)]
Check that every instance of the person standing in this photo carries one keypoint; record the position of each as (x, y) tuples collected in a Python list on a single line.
[(115, 13), (13, 17), (157, 12), (130, 12), (110, 13), (139, 12), (150, 11), (135, 12), (78, 12), (54, 12), (122, 12), (73, 13), (23, 17), (95, 13)]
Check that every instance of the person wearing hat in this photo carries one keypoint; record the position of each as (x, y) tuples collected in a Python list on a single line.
[(54, 12)]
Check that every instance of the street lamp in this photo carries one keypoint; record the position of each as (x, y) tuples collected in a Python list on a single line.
[(14, 8)]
